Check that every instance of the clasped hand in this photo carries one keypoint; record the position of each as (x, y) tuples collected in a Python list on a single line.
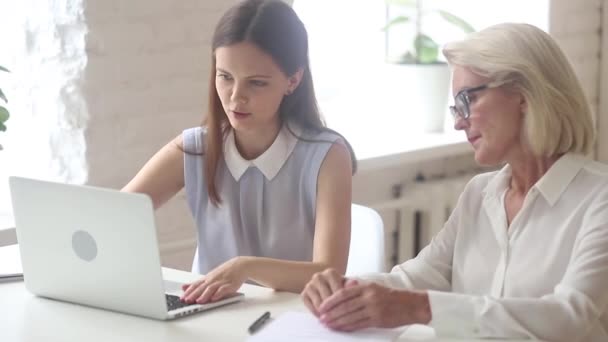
[(348, 305)]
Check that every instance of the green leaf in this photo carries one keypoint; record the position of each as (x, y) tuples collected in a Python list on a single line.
[(4, 115), (457, 21), (2, 127), (427, 49), (395, 21), (3, 69), (2, 96)]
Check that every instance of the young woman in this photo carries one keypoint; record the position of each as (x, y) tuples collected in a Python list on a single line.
[(268, 185)]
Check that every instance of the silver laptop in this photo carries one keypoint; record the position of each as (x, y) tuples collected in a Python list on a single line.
[(95, 247)]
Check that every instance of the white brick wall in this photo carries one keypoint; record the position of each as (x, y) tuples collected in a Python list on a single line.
[(145, 81), (146, 78)]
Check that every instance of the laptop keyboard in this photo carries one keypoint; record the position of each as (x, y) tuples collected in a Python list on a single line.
[(173, 302)]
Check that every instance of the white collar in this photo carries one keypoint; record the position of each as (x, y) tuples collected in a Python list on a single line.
[(551, 185), (269, 162)]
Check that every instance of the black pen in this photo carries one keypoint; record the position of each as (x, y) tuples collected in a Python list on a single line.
[(259, 322)]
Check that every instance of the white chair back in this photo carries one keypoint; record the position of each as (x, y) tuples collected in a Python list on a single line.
[(366, 253)]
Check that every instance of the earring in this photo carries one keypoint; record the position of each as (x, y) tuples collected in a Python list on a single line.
[(288, 92)]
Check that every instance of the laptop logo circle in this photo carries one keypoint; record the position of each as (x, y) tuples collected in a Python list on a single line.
[(84, 245)]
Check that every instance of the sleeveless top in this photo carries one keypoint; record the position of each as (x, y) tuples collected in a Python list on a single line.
[(268, 204)]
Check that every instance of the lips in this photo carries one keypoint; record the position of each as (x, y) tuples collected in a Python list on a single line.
[(473, 139), (240, 114)]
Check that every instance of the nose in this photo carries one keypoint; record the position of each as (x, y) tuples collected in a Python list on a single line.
[(238, 94), (460, 123)]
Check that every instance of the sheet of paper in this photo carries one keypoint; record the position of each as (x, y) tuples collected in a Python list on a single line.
[(303, 326)]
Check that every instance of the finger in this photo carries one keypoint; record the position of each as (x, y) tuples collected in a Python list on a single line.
[(222, 292), (322, 287), (351, 282), (195, 291), (192, 287), (339, 297), (343, 309), (361, 324), (336, 283), (208, 293), (309, 304), (348, 319), (314, 297)]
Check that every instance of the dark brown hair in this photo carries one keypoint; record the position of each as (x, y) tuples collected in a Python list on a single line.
[(274, 27)]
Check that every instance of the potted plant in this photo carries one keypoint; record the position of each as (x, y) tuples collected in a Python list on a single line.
[(414, 63), (4, 115), (423, 49)]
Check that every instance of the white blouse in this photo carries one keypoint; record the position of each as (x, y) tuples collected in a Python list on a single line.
[(545, 276)]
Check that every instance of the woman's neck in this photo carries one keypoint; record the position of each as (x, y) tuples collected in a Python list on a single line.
[(253, 143), (527, 170)]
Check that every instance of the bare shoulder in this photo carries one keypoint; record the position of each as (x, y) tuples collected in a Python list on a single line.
[(337, 160), (178, 142)]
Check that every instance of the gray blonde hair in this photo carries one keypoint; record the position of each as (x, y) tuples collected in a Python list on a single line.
[(558, 118)]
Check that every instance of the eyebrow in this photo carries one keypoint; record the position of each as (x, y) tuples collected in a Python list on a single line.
[(467, 89), (252, 76)]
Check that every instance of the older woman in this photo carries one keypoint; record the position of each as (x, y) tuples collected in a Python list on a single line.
[(525, 252)]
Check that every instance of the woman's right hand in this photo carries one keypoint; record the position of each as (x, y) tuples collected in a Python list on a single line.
[(321, 286), (219, 283)]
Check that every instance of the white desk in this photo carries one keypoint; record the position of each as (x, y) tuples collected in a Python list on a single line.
[(25, 317)]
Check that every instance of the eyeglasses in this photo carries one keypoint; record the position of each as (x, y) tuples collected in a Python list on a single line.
[(462, 100)]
